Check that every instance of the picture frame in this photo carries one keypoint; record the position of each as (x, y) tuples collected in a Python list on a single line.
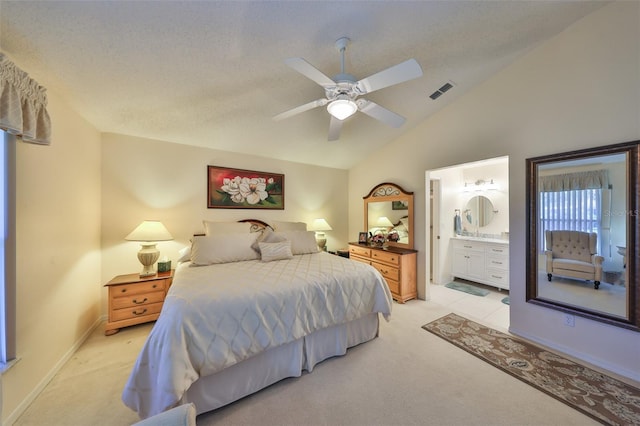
[(400, 205), (229, 188), (362, 237)]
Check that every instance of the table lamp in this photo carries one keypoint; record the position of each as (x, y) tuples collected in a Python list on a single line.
[(148, 233), (320, 225)]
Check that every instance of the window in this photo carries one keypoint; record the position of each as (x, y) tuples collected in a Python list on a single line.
[(7, 250), (575, 210)]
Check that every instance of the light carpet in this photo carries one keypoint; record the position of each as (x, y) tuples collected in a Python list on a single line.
[(599, 396), (403, 377)]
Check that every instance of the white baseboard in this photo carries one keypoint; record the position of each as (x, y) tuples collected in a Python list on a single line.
[(22, 407), (596, 362)]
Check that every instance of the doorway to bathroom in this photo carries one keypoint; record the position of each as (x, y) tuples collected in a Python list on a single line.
[(468, 230)]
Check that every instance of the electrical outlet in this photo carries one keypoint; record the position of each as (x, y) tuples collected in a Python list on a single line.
[(569, 320)]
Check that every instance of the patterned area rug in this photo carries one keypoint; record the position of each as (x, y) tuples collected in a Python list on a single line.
[(467, 288), (601, 397)]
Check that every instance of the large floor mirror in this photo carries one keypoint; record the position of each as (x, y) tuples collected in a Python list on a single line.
[(583, 233)]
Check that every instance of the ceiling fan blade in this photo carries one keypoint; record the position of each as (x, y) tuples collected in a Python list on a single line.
[(335, 126), (405, 71), (301, 108), (374, 110), (309, 71)]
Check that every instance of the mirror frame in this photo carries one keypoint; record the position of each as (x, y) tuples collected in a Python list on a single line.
[(632, 321), (494, 212), (390, 192)]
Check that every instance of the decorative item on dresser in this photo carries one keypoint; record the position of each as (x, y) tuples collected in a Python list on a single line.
[(397, 266), (135, 300)]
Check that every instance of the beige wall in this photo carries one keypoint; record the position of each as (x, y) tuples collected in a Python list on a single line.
[(578, 90), (58, 252), (145, 179)]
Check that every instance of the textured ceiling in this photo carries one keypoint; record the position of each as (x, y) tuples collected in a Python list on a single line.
[(212, 73)]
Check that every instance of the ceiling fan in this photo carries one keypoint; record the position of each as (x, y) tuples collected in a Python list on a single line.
[(343, 91)]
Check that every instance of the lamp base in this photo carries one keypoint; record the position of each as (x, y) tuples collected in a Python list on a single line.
[(148, 255), (321, 240)]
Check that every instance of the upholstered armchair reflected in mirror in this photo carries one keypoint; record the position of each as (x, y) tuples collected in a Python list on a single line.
[(573, 254)]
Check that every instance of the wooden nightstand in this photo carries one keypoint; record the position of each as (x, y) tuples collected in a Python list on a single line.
[(134, 300)]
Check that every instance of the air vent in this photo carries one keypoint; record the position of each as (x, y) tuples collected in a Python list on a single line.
[(435, 95)]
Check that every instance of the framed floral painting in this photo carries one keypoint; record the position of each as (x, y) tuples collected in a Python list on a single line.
[(244, 189)]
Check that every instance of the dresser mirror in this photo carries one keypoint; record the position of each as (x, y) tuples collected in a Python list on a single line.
[(479, 211), (388, 210), (572, 196)]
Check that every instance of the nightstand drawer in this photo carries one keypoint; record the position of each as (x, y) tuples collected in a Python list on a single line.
[(384, 256), (137, 299), (360, 251), (135, 312), (136, 288), (387, 271)]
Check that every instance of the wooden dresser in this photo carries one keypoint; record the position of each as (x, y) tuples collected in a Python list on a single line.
[(397, 266), (134, 300)]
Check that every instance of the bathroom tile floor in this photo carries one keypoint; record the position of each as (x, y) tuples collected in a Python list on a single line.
[(488, 310)]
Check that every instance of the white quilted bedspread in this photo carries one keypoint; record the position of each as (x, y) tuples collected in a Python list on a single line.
[(219, 315)]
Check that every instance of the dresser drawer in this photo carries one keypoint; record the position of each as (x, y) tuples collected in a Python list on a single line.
[(136, 288), (361, 259), (387, 271), (135, 312), (384, 256), (360, 251), (394, 286), (138, 299)]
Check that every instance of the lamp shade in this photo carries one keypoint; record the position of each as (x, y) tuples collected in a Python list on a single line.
[(320, 225), (342, 108), (149, 230), (384, 221)]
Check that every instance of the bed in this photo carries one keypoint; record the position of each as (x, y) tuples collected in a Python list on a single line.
[(248, 309)]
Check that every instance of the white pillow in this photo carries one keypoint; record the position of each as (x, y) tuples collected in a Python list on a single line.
[(266, 236), (185, 254), (216, 228), (225, 248), (302, 242), (288, 226), (275, 251)]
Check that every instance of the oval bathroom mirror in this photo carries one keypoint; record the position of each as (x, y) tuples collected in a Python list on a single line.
[(479, 211)]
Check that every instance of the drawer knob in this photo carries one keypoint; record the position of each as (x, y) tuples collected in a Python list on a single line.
[(144, 311), (139, 302), (124, 290)]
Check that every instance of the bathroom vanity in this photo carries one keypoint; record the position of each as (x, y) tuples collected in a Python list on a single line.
[(483, 260)]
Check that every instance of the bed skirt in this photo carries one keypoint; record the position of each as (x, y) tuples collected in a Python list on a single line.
[(273, 365)]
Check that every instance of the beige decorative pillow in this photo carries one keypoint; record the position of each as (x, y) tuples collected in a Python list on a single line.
[(288, 226), (225, 248), (266, 236), (275, 251), (302, 242), (216, 228)]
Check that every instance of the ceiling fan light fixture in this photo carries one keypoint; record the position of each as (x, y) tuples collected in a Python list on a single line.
[(342, 107)]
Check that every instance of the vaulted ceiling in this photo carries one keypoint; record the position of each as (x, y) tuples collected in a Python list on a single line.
[(213, 73)]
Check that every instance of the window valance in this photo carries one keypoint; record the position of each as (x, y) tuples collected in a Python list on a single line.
[(593, 179), (23, 105)]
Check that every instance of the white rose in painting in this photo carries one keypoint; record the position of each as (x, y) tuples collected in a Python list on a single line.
[(253, 189), (232, 187)]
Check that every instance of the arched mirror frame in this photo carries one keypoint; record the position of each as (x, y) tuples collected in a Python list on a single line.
[(632, 150), (391, 192)]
